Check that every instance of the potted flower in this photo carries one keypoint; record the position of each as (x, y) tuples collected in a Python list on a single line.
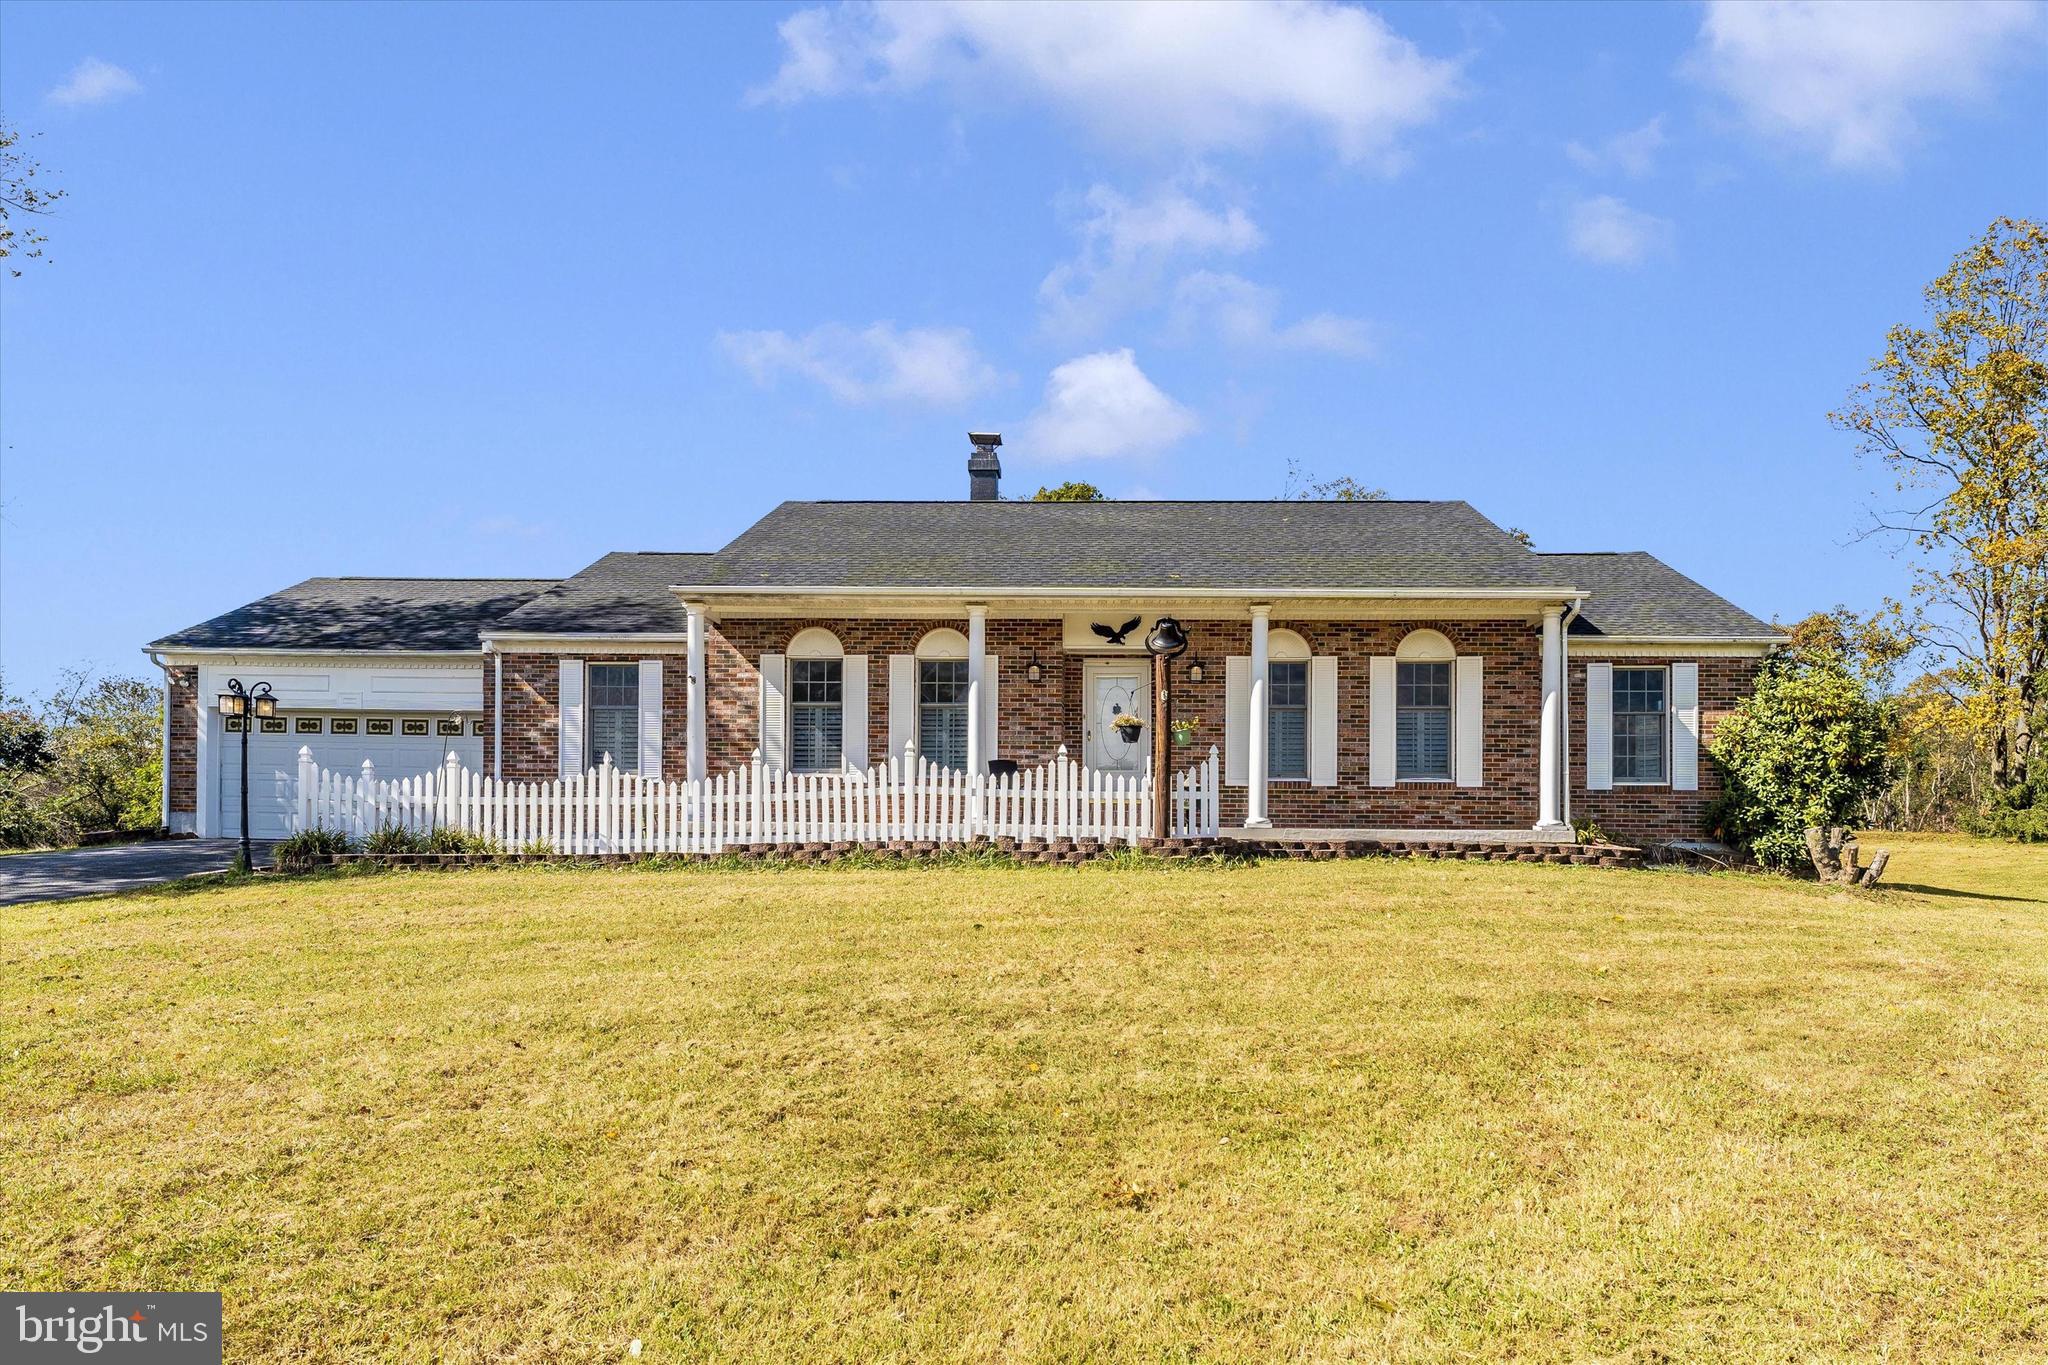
[(1184, 729), (1129, 727)]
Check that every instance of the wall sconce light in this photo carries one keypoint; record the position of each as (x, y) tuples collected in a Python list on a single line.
[(1194, 670), (1031, 670)]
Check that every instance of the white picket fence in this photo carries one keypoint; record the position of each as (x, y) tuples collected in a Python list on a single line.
[(608, 811)]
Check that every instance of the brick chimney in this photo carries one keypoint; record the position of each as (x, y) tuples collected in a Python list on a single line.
[(984, 470)]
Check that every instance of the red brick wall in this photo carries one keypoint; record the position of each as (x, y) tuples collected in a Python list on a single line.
[(181, 765), (1039, 717), (1511, 682), (1655, 814)]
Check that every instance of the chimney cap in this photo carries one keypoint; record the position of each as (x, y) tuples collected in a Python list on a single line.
[(985, 438)]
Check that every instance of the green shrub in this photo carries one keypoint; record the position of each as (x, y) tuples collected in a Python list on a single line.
[(1588, 831), (395, 839), (2020, 814), (537, 848), (461, 841), (1807, 747), (302, 848)]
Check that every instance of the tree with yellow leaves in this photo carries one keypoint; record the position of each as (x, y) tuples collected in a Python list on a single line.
[(1956, 410)]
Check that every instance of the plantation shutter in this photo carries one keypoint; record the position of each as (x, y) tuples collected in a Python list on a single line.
[(569, 717), (1379, 733), (902, 702), (1322, 721), (853, 703), (989, 748), (1237, 720), (650, 718), (774, 712), (1469, 725), (1685, 727), (1599, 727)]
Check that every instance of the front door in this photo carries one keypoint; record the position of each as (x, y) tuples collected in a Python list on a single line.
[(1113, 688)]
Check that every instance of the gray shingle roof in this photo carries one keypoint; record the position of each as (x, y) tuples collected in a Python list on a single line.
[(1270, 545), (364, 613), (1636, 595), (621, 594)]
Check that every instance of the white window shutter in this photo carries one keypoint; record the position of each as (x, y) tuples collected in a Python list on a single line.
[(1469, 722), (774, 712), (989, 747), (853, 711), (569, 716), (1379, 732), (902, 702), (1322, 721), (1599, 726), (1237, 720), (650, 718), (1685, 727)]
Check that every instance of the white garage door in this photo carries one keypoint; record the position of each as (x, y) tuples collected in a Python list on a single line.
[(274, 758)]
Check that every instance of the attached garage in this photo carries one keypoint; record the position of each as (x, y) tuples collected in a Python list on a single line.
[(385, 669), (399, 746)]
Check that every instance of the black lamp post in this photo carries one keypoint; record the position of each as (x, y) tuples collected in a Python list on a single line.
[(1166, 640), (249, 705)]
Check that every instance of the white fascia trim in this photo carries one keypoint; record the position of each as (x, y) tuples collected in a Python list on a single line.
[(1677, 647), (1173, 594), (501, 639)]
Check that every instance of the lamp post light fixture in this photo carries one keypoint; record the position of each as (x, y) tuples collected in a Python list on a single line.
[(247, 705), (1166, 641)]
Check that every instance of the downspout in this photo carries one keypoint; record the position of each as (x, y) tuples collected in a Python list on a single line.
[(163, 808), (1564, 655)]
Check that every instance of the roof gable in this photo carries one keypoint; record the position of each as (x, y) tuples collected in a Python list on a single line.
[(1252, 546)]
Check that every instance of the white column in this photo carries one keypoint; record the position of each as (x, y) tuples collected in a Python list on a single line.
[(1255, 728), (977, 652), (695, 702), (1552, 734)]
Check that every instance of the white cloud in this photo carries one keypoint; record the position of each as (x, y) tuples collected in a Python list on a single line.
[(926, 366), (1606, 231), (1100, 406), (1128, 246), (1847, 78), (93, 81), (1632, 153), (1246, 314), (1189, 76)]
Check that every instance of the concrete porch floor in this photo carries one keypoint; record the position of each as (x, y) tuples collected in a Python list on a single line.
[(1297, 833)]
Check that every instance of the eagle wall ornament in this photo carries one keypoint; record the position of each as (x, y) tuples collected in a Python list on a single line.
[(1116, 636)]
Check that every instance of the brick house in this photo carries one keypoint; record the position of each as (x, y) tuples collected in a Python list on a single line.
[(1363, 666)]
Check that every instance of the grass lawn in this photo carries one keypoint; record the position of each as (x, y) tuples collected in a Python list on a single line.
[(1290, 1111)]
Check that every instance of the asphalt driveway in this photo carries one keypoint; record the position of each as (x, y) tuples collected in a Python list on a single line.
[(112, 867)]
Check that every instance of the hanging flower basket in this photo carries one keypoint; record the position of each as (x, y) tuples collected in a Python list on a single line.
[(1128, 727), (1184, 730)]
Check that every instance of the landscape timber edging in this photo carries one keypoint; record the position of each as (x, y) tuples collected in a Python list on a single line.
[(1040, 852)]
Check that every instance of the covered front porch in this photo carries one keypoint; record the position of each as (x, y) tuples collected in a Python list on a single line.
[(1298, 696)]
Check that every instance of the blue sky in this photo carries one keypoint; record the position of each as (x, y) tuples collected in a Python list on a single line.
[(492, 290)]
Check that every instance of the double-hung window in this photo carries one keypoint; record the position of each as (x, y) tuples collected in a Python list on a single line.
[(1642, 725), (1422, 722), (1287, 721), (613, 726), (816, 715), (942, 711)]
